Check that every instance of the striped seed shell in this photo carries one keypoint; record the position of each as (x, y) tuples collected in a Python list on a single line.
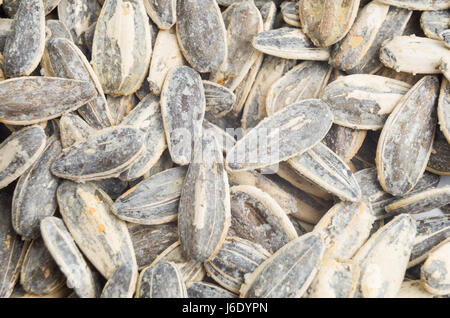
[(344, 142), (105, 154), (410, 126), (363, 101), (33, 99), (19, 151), (122, 283), (383, 258), (120, 106), (418, 4), (24, 46), (153, 200), (439, 162), (303, 81), (443, 110), (162, 280), (35, 193), (306, 122), (5, 31), (402, 52), (219, 100), (327, 22), (204, 206), (123, 31), (163, 163), (445, 37), (206, 290), (257, 217), (113, 187), (435, 272), (201, 34), (287, 273), (162, 12), (68, 257), (103, 239), (289, 43), (290, 10), (73, 129), (236, 258), (57, 30), (182, 107), (433, 23)]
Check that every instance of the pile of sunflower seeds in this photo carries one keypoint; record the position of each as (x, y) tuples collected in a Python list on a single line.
[(203, 148)]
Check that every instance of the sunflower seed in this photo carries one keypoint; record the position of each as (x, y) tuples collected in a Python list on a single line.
[(256, 216), (19, 152), (5, 31), (104, 154), (121, 106), (383, 258), (35, 193), (163, 280), (363, 101), (24, 47), (434, 22), (123, 69), (225, 140), (439, 162), (162, 12), (219, 100), (289, 272), (418, 4), (327, 22), (358, 51), (154, 200), (435, 271), (57, 30), (122, 283), (290, 10), (344, 142), (410, 126), (443, 110), (201, 34), (166, 55), (162, 164), (304, 81), (73, 129), (40, 274), (11, 6), (41, 98), (206, 290), (235, 259), (68, 257), (289, 43)]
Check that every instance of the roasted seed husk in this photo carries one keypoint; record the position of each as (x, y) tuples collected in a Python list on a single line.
[(307, 122), (435, 272), (434, 22), (57, 30), (121, 106), (344, 142), (206, 290), (5, 31), (289, 10), (150, 241), (19, 151), (73, 129), (413, 289), (443, 110), (410, 126), (256, 216), (445, 37), (40, 274), (289, 43), (235, 259), (166, 55), (201, 34), (225, 140), (401, 53), (182, 93), (418, 4), (204, 206), (35, 193), (103, 239), (383, 258), (219, 100), (358, 51), (12, 248), (68, 257), (153, 200), (163, 163), (41, 98), (288, 272), (243, 21), (122, 283), (303, 81), (105, 154), (162, 280), (162, 12), (24, 46), (363, 101), (327, 22), (439, 162), (123, 31)]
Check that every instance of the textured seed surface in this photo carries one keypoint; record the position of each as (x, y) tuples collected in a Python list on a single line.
[(235, 259), (19, 151), (363, 101), (183, 109), (153, 200), (41, 98), (435, 272), (58, 29), (206, 290), (72, 129), (162, 12), (443, 110), (439, 162), (410, 126), (327, 22), (201, 34), (287, 273), (103, 154), (68, 257), (344, 142), (5, 31), (219, 100), (418, 4), (307, 122), (289, 43), (24, 46), (225, 140), (122, 283), (434, 22), (163, 280), (289, 10)]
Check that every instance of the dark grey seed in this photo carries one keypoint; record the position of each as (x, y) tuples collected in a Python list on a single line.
[(162, 12), (11, 6), (163, 280), (344, 142), (206, 290), (121, 106), (162, 164), (58, 30), (289, 10), (35, 193), (439, 162), (114, 187), (24, 47), (443, 110), (88, 37), (68, 257), (434, 22), (19, 152), (122, 283), (219, 100), (73, 129), (106, 153)]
